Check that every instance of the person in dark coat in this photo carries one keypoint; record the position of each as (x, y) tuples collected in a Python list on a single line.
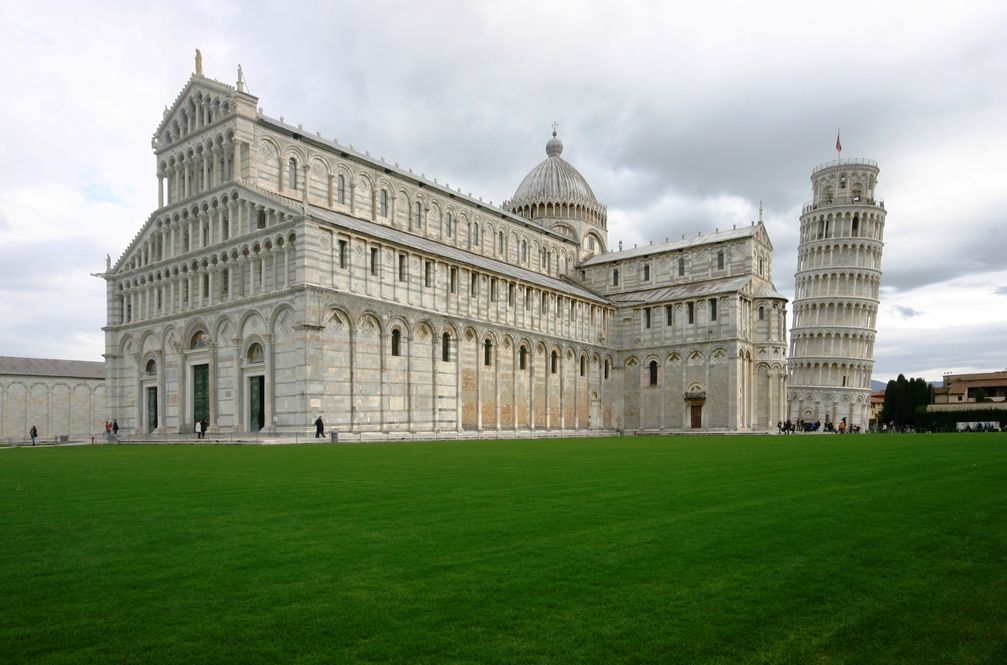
[(115, 427), (203, 424), (34, 434), (319, 428)]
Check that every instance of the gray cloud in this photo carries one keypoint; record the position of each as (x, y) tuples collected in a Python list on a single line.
[(904, 312), (1000, 290), (662, 112)]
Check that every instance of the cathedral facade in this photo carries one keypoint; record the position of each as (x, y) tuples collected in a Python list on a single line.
[(284, 277)]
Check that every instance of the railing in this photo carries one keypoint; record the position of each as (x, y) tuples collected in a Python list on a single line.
[(855, 161), (811, 205)]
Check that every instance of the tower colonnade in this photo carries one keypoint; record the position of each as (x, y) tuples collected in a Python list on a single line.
[(836, 295)]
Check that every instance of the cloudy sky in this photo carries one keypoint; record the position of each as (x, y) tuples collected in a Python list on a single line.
[(682, 116)]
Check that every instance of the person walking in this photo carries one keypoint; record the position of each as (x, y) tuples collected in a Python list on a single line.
[(319, 428), (203, 424), (115, 427), (34, 434)]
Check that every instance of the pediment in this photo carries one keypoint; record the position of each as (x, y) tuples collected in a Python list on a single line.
[(762, 236), (202, 101)]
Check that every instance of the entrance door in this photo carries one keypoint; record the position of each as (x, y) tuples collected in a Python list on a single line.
[(256, 402), (200, 393), (696, 414), (151, 409)]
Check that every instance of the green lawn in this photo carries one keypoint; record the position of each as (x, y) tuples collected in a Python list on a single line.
[(803, 549)]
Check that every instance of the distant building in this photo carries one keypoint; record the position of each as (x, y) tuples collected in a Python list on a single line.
[(59, 397), (962, 388)]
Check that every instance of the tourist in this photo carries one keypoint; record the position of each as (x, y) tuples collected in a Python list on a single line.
[(203, 424), (115, 427), (34, 434), (319, 428)]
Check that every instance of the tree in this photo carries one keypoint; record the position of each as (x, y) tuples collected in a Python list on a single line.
[(902, 398)]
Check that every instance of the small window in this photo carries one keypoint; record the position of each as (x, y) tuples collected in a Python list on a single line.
[(762, 313), (475, 235), (842, 183), (342, 253), (501, 244), (428, 273), (473, 284), (646, 318), (720, 260), (522, 358), (554, 362), (646, 272), (615, 277), (669, 311), (403, 265), (383, 203), (453, 280), (396, 342), (855, 230), (255, 354), (713, 309), (524, 251), (511, 290), (653, 372), (692, 312), (292, 173), (418, 215), (606, 368), (341, 189), (449, 226), (583, 365), (260, 222), (681, 266), (374, 261), (488, 353), (493, 289), (446, 347), (590, 243)]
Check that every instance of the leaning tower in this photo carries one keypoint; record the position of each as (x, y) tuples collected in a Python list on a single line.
[(836, 296)]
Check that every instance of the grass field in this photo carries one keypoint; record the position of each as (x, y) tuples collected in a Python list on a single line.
[(804, 549)]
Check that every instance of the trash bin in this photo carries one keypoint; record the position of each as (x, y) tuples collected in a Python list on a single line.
[(333, 437)]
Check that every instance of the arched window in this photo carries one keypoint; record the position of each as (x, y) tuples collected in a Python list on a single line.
[(855, 230), (151, 367), (475, 234), (396, 342), (501, 244), (524, 251), (255, 354), (198, 340), (583, 365), (341, 189), (418, 214), (488, 352), (681, 266), (720, 260), (554, 365), (446, 347), (292, 173), (653, 372), (522, 356), (449, 226), (842, 183), (383, 203), (762, 313), (590, 243), (606, 368), (615, 277)]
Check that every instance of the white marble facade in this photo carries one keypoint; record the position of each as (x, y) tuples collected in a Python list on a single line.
[(284, 276), (836, 296)]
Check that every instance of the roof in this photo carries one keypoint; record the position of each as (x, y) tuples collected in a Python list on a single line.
[(689, 290), (554, 179), (460, 255), (674, 245), (78, 369)]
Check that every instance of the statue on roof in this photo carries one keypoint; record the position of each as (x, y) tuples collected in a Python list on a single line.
[(241, 80), (199, 63)]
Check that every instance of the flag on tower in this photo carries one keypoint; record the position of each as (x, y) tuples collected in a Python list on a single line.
[(839, 145)]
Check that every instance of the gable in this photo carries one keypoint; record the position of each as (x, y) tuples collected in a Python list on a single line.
[(202, 102)]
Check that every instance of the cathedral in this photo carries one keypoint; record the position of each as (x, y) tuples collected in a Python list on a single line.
[(284, 276)]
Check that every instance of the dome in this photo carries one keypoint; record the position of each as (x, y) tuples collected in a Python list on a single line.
[(554, 180)]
